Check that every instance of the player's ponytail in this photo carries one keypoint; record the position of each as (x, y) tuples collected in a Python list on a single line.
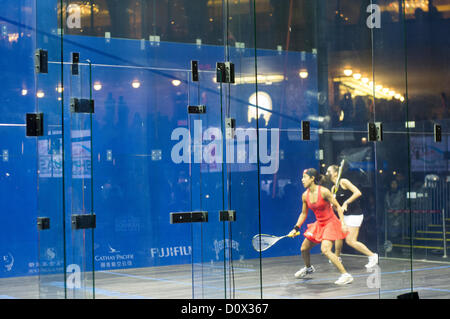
[(335, 168), (319, 179)]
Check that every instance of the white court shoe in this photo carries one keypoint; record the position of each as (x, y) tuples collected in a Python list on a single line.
[(344, 279), (373, 260), (304, 271)]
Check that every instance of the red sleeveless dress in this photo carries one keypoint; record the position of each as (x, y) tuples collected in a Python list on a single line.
[(327, 225)]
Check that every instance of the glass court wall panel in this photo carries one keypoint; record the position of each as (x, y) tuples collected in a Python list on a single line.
[(18, 171), (391, 166), (428, 108), (141, 159), (50, 154)]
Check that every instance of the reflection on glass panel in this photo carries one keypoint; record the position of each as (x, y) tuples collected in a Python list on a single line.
[(51, 148), (242, 169), (19, 264), (168, 20), (427, 49), (327, 85), (392, 179), (80, 181), (137, 110)]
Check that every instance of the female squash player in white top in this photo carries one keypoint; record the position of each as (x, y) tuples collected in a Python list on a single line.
[(348, 196)]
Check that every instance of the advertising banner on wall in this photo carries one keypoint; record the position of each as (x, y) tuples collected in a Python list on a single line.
[(428, 156)]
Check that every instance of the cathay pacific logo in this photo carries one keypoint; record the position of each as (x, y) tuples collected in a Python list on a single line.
[(7, 261)]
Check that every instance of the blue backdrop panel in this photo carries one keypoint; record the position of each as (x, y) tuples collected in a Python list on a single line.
[(136, 183)]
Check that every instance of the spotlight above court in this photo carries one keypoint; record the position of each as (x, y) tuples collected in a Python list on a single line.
[(263, 100), (348, 71), (303, 73), (97, 86), (136, 84)]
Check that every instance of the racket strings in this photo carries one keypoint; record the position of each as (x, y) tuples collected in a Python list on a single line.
[(262, 242)]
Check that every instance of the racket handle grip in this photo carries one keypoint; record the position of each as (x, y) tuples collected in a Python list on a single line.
[(294, 234)]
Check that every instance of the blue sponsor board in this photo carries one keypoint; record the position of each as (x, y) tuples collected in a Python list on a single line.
[(121, 168)]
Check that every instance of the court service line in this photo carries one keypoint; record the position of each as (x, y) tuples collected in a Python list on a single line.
[(334, 278), (390, 291), (244, 289)]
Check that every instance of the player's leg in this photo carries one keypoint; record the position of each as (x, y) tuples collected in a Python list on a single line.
[(326, 250), (305, 249), (345, 277), (338, 247), (352, 241)]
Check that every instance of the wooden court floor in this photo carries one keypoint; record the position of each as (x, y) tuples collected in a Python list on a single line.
[(389, 279)]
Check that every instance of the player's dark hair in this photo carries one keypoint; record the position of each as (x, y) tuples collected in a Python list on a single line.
[(318, 178), (335, 168)]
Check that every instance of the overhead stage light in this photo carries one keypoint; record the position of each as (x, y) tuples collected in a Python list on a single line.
[(97, 86), (348, 72), (303, 73), (176, 82), (136, 84), (265, 101)]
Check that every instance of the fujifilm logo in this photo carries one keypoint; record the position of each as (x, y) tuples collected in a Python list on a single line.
[(238, 150), (171, 251)]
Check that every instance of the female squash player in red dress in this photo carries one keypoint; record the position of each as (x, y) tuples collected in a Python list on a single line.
[(325, 230)]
